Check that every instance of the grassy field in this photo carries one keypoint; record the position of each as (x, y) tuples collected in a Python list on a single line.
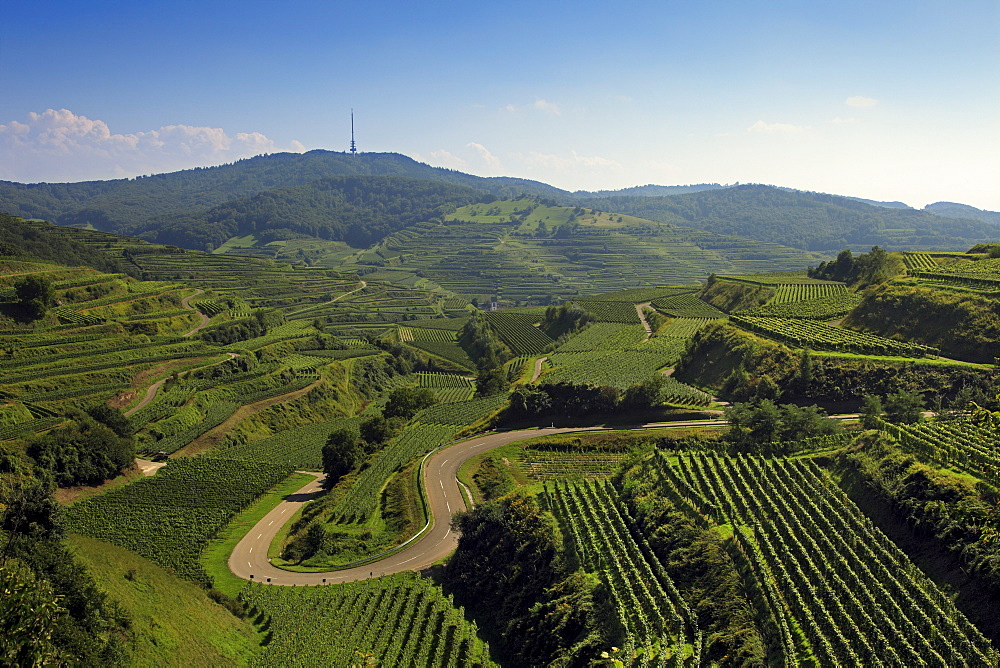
[(175, 623)]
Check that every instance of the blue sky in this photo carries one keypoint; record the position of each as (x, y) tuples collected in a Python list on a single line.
[(886, 100)]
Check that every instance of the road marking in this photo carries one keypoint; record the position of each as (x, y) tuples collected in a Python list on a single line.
[(259, 535), (251, 549), (408, 560), (270, 523), (449, 506), (249, 564), (441, 482), (444, 462)]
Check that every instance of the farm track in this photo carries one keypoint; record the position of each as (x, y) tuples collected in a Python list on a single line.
[(249, 558), (186, 303), (212, 437), (642, 319), (538, 369), (154, 388)]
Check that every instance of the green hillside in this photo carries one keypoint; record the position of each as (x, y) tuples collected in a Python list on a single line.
[(663, 535), (810, 221), (528, 251), (128, 204)]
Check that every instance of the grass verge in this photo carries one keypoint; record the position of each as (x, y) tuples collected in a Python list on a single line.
[(215, 557), (174, 622)]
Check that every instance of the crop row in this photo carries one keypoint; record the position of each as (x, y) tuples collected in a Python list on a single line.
[(822, 308), (920, 261), (650, 609), (804, 291), (300, 448), (605, 336), (681, 328), (449, 351), (518, 331), (838, 589), (959, 445), (611, 311), (437, 380), (397, 620), (170, 517), (687, 306), (408, 334), (550, 465), (812, 334), (363, 498), (620, 369)]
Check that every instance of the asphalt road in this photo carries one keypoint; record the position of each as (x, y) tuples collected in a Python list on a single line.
[(249, 559)]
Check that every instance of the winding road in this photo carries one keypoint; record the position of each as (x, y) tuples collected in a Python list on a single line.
[(186, 303), (249, 559)]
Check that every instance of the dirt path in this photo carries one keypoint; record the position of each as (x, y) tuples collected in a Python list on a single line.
[(313, 307), (149, 467), (186, 303), (538, 369), (150, 394), (211, 438), (642, 318), (155, 387)]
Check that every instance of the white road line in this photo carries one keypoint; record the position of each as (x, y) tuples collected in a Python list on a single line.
[(270, 523), (441, 482), (259, 535), (449, 506), (251, 549)]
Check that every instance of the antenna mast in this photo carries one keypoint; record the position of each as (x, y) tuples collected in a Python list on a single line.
[(354, 148)]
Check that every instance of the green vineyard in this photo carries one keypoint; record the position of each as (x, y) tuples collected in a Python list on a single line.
[(811, 334), (830, 580), (397, 620)]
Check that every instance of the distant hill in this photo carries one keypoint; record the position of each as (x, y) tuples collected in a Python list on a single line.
[(127, 205), (811, 221), (887, 205), (344, 197), (650, 191), (357, 209), (41, 241), (953, 210)]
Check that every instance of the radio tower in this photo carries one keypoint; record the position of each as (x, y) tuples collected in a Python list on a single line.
[(354, 148)]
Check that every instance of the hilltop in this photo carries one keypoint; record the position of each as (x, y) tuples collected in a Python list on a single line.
[(288, 194)]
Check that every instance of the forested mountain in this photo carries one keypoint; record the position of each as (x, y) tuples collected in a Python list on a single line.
[(126, 205), (357, 209), (811, 221), (22, 239), (953, 210), (651, 190), (300, 194)]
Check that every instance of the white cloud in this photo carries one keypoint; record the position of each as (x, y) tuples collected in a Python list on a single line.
[(443, 158), (566, 163), (844, 121), (491, 160), (775, 128), (539, 104), (546, 106), (58, 145), (860, 101)]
